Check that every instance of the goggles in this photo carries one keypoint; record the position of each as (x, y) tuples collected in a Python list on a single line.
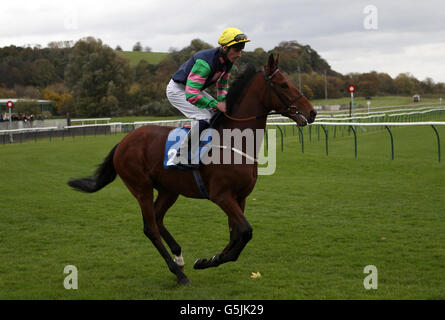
[(237, 38), (240, 37)]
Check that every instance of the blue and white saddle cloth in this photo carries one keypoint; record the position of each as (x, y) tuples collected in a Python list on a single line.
[(174, 142)]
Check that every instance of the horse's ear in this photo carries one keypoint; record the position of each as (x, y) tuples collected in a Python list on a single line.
[(276, 60), (271, 62)]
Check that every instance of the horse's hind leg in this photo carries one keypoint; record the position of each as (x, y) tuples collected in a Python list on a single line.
[(163, 202), (240, 233), (151, 230)]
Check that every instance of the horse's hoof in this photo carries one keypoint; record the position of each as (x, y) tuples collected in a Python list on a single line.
[(200, 264), (184, 281), (204, 263)]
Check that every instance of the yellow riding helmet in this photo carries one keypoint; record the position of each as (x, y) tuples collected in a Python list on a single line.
[(231, 36)]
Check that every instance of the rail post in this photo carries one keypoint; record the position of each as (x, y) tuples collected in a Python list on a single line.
[(281, 132), (438, 141), (392, 142), (355, 140), (300, 132), (326, 138)]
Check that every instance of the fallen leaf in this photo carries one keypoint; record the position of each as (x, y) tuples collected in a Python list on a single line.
[(255, 275)]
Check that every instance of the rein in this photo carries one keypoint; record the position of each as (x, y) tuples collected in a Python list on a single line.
[(292, 110)]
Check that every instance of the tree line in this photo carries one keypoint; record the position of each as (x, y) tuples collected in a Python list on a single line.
[(88, 78)]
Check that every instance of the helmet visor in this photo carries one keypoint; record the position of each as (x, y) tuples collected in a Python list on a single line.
[(238, 38)]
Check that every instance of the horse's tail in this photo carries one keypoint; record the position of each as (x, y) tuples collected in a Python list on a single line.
[(104, 175)]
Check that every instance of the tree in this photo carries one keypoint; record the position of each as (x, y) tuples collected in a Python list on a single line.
[(179, 57), (368, 84), (315, 82), (63, 102), (439, 88), (12, 77), (66, 104), (386, 84), (336, 87), (307, 92), (144, 72), (7, 93), (95, 71), (31, 92), (165, 70), (404, 84), (60, 44), (27, 107), (258, 58), (294, 55), (137, 47), (43, 73), (427, 85), (109, 104)]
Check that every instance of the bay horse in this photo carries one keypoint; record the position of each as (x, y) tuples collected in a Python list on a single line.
[(138, 160)]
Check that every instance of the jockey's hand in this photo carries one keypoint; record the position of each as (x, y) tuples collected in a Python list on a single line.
[(221, 106)]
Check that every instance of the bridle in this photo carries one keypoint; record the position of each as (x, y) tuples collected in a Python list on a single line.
[(289, 104), (291, 109)]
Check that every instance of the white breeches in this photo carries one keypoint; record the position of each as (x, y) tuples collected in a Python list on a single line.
[(176, 95)]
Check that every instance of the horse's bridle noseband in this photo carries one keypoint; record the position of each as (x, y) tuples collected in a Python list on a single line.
[(291, 109)]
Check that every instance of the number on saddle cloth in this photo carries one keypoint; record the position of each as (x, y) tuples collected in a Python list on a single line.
[(174, 142)]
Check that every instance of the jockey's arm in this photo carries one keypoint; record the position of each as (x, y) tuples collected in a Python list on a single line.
[(222, 86), (195, 82)]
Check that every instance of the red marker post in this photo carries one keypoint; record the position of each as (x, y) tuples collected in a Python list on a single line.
[(351, 89), (10, 105)]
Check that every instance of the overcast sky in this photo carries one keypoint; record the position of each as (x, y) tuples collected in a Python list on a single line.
[(391, 36)]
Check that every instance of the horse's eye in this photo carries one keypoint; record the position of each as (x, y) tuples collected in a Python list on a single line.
[(284, 85)]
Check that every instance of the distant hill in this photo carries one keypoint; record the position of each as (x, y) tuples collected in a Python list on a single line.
[(135, 56)]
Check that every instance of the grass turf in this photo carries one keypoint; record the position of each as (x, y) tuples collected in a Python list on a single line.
[(317, 222)]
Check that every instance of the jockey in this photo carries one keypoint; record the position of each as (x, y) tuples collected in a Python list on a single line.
[(185, 90)]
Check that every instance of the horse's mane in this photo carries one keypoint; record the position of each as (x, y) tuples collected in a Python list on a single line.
[(235, 91), (238, 85)]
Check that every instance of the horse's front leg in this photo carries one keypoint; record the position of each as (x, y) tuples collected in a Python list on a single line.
[(240, 234)]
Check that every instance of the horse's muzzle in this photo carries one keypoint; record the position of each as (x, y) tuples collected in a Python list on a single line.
[(301, 119), (312, 116)]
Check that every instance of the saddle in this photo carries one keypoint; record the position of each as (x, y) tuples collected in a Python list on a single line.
[(174, 145)]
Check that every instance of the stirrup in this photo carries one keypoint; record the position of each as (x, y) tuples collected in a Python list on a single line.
[(189, 165)]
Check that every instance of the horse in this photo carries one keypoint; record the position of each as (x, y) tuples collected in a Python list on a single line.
[(138, 159)]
